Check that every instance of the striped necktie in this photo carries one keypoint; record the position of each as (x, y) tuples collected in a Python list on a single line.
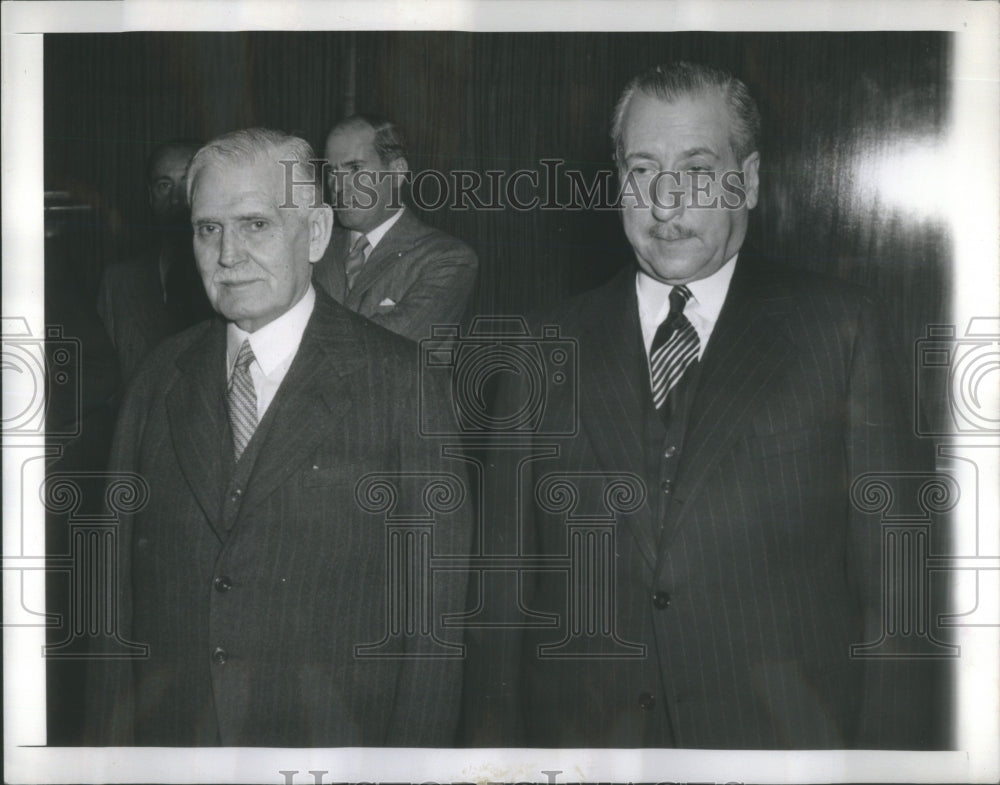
[(355, 260), (674, 348), (242, 400)]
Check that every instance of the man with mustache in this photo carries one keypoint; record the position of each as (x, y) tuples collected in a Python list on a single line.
[(254, 576), (738, 398)]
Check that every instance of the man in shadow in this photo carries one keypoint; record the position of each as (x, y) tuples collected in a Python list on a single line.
[(157, 293)]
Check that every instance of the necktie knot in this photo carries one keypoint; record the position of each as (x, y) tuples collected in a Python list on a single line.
[(244, 357), (360, 245), (679, 297)]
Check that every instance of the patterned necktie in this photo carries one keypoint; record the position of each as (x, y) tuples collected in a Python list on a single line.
[(675, 347), (355, 260), (242, 400)]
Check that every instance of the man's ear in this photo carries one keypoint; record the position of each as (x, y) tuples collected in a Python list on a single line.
[(399, 165), (320, 227), (751, 181)]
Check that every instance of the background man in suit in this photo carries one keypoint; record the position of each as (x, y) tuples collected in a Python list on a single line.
[(253, 573), (143, 300), (383, 262), (746, 397)]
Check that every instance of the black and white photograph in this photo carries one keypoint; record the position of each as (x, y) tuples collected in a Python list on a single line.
[(501, 392)]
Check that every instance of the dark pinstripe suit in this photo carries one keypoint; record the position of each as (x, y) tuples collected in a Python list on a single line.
[(306, 566), (748, 578)]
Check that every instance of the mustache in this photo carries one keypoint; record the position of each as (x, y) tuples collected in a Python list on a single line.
[(670, 232)]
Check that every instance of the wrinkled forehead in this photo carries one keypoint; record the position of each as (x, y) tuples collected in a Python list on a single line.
[(701, 113), (265, 182), (222, 179)]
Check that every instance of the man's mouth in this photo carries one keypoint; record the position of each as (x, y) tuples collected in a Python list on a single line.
[(670, 234)]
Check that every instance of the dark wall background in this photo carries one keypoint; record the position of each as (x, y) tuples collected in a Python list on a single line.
[(837, 110), (835, 107)]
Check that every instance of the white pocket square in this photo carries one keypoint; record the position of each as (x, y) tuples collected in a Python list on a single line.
[(386, 303)]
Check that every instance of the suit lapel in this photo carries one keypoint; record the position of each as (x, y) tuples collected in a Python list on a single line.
[(747, 355), (397, 241), (613, 390), (312, 398), (196, 413)]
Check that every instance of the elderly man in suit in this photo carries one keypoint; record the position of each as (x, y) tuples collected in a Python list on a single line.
[(383, 262), (253, 574), (743, 397), (143, 300)]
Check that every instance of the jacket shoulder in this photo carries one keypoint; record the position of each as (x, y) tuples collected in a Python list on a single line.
[(427, 240), (781, 278), (162, 360)]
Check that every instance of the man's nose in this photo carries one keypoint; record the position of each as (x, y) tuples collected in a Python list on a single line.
[(231, 250), (178, 196), (668, 196)]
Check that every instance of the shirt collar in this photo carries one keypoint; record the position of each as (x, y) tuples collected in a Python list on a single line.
[(707, 294), (276, 340), (380, 231)]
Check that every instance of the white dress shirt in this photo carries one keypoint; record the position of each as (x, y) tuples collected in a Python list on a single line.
[(702, 310), (274, 347)]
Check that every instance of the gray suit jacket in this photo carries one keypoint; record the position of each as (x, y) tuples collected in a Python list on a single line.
[(415, 277), (304, 565), (741, 583)]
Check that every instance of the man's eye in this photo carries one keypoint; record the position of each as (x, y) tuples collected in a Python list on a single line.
[(258, 225), (162, 186), (206, 230)]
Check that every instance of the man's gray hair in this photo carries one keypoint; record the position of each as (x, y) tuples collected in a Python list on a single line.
[(251, 144), (675, 80)]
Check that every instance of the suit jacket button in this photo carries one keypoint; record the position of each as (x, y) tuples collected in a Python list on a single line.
[(223, 583), (665, 486), (236, 495), (219, 655), (661, 600), (670, 451), (646, 701)]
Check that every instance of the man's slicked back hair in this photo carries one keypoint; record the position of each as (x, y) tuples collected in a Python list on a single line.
[(672, 81)]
